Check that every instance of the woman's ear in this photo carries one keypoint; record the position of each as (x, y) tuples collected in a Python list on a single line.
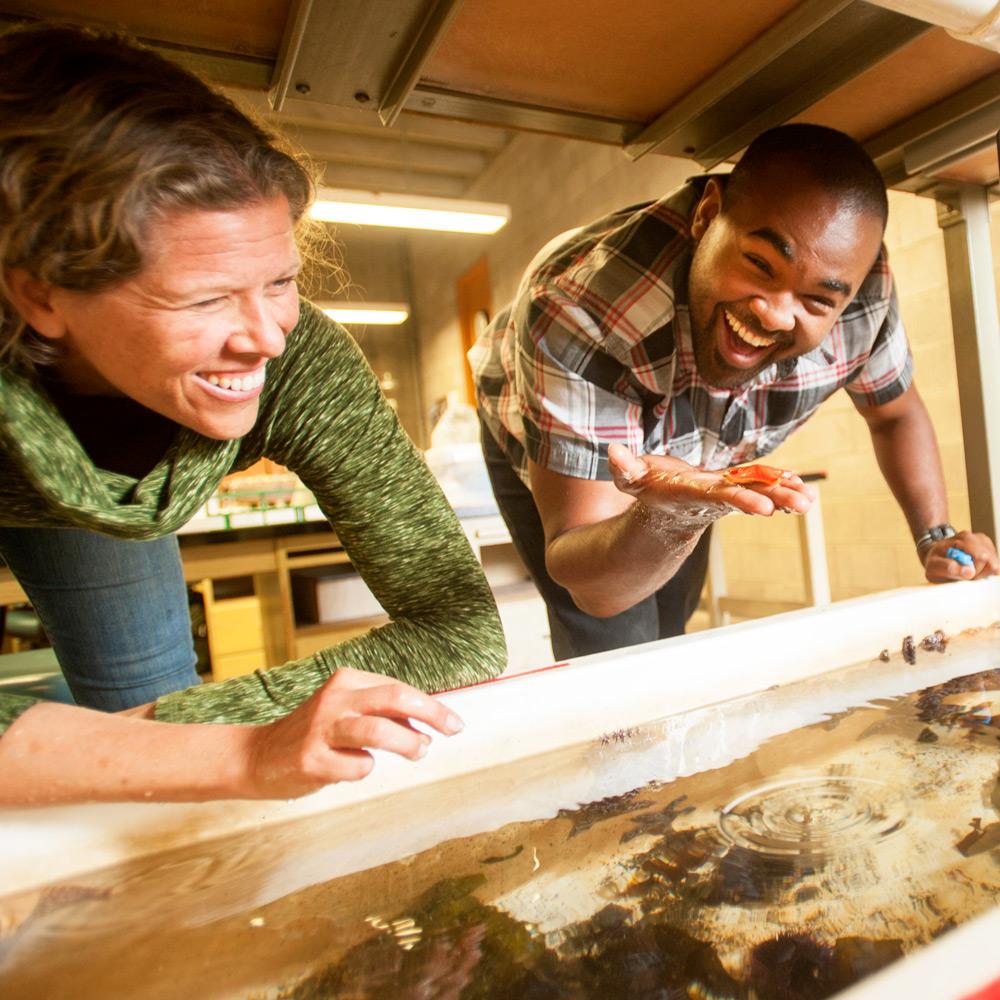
[(707, 208), (32, 298)]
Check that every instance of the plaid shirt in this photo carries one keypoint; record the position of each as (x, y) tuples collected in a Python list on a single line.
[(596, 347)]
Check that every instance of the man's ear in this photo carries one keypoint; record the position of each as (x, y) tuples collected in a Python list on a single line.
[(32, 298), (707, 208)]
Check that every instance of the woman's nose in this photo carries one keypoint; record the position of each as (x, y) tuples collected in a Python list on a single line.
[(775, 311), (259, 331)]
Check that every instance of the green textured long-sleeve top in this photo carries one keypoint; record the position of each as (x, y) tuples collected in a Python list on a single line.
[(323, 415)]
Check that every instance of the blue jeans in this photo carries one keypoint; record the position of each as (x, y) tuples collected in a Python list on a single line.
[(115, 611), (574, 632)]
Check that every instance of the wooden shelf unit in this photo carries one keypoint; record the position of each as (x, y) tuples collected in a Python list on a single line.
[(260, 630)]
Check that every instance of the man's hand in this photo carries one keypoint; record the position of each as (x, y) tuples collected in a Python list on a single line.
[(611, 552), (327, 738), (940, 568), (692, 496)]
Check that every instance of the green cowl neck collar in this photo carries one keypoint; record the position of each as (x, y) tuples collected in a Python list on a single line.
[(40, 445)]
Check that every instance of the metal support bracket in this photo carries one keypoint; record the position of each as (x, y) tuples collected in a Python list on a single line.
[(964, 217)]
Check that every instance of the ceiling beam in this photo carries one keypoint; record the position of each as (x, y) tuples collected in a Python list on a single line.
[(806, 55), (358, 53), (392, 179), (908, 153), (407, 128), (430, 100), (431, 30), (296, 27), (377, 151)]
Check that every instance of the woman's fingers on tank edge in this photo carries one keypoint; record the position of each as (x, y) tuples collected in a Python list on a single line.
[(400, 701), (376, 732)]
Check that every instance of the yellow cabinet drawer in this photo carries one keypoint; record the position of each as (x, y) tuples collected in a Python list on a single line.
[(235, 664), (235, 626)]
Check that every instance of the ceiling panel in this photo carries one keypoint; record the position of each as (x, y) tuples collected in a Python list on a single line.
[(685, 77), (920, 74), (978, 168), (618, 60), (250, 27)]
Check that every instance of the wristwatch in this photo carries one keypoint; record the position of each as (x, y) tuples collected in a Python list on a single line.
[(932, 535)]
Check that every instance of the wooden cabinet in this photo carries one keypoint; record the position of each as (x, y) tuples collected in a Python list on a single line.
[(236, 643), (259, 630), (307, 552)]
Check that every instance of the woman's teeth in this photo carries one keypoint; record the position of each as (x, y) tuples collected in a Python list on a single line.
[(237, 383), (747, 336)]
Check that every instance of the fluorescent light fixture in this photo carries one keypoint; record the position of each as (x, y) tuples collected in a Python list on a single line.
[(370, 313), (409, 211)]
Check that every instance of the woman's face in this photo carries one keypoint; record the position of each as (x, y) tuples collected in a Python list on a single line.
[(191, 334)]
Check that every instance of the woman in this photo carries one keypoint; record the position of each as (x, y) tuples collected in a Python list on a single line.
[(152, 342)]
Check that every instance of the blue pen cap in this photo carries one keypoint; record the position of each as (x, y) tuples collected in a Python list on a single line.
[(960, 557)]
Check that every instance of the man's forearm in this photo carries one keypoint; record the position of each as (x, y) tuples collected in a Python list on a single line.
[(907, 453), (614, 564)]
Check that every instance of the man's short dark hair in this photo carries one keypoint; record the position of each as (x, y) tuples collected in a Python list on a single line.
[(831, 158)]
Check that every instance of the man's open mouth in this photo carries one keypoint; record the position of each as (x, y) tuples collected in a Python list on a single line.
[(746, 335)]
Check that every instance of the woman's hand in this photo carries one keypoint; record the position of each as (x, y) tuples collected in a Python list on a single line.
[(940, 568), (327, 738), (667, 484)]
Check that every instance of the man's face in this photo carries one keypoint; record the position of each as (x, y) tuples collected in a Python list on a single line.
[(772, 273)]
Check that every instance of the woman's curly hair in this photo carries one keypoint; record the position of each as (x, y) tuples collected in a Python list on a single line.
[(99, 137)]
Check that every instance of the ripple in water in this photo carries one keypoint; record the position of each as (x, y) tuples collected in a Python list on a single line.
[(816, 817)]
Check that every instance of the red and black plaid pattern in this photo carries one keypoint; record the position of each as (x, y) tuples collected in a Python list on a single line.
[(596, 347)]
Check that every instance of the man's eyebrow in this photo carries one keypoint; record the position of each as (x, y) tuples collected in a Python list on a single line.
[(778, 242), (785, 249), (836, 285)]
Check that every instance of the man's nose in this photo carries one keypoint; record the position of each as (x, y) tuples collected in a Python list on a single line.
[(258, 330), (775, 311)]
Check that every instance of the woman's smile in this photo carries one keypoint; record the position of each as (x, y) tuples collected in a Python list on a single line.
[(229, 385)]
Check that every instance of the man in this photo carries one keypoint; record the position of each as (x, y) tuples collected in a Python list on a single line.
[(697, 332)]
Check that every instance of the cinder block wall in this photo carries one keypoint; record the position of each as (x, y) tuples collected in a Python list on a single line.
[(553, 185)]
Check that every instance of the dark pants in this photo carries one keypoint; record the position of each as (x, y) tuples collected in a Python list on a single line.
[(575, 633)]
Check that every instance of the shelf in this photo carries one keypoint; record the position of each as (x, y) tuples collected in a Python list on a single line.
[(309, 639), (335, 557), (367, 622)]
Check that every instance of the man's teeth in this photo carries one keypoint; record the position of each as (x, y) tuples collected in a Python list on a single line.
[(237, 383), (748, 336)]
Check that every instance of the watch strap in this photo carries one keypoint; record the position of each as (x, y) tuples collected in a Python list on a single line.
[(932, 535)]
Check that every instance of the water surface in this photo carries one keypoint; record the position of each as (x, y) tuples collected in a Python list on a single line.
[(782, 845)]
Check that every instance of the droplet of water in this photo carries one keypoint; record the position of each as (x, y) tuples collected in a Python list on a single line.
[(816, 817)]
